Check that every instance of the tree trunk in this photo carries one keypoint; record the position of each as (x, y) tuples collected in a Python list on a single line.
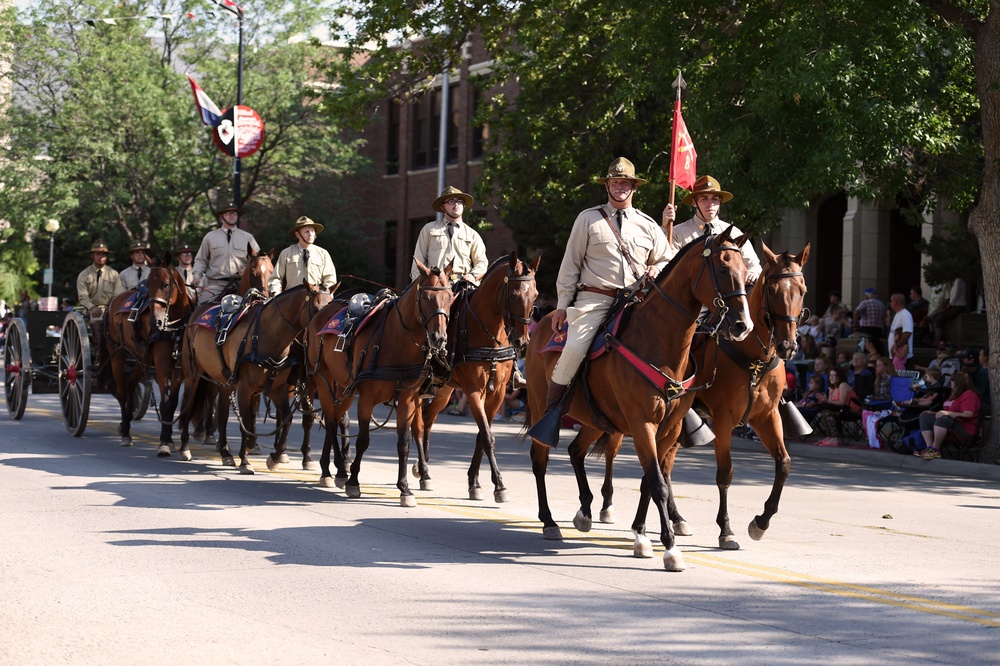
[(985, 218)]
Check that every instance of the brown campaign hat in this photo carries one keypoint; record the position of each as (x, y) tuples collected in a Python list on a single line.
[(138, 245), (184, 247), (229, 205), (303, 223), (99, 246), (622, 168), (706, 185), (451, 193)]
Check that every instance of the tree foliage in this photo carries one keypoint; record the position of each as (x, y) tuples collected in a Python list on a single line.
[(103, 135)]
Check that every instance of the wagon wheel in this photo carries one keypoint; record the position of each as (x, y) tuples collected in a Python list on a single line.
[(16, 369), (74, 374), (141, 399)]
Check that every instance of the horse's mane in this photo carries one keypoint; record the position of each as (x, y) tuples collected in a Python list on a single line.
[(698, 242)]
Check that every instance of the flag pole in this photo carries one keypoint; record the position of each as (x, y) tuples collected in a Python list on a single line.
[(677, 85)]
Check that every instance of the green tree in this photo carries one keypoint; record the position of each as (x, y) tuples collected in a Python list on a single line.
[(121, 152), (787, 101)]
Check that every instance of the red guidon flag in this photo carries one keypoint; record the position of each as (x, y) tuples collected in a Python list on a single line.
[(683, 158)]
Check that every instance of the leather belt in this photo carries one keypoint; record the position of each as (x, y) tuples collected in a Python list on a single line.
[(610, 293)]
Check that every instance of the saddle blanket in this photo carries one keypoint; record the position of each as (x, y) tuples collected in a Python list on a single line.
[(341, 320), (598, 345), (133, 302), (210, 317)]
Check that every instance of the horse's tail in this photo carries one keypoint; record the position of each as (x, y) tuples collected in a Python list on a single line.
[(522, 434), (600, 447), (197, 397)]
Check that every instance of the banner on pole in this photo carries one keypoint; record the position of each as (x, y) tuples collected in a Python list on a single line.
[(683, 158), (240, 132), (210, 114)]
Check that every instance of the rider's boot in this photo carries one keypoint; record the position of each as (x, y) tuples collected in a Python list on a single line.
[(546, 431)]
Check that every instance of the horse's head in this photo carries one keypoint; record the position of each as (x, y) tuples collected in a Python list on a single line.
[(784, 288), (257, 272), (162, 293), (517, 299), (725, 294), (434, 296), (317, 298)]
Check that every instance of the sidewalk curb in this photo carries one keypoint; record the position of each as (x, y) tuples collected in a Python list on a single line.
[(879, 458)]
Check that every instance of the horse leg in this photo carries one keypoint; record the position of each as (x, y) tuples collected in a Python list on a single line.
[(123, 389), (680, 526), (422, 424), (661, 493), (332, 414), (539, 463), (168, 383), (366, 405), (578, 448), (221, 416), (247, 421), (210, 417), (486, 442), (613, 446), (308, 419), (280, 398), (642, 546), (770, 430), (344, 450), (406, 408)]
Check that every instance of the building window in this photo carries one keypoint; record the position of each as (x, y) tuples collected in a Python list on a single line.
[(392, 141), (389, 252), (480, 130), (426, 130)]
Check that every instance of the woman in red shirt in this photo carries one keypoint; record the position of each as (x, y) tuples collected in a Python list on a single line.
[(960, 415)]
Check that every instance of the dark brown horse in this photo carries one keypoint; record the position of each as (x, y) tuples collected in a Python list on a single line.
[(639, 386), (252, 282), (388, 360), (483, 339), (149, 337), (747, 379), (256, 348)]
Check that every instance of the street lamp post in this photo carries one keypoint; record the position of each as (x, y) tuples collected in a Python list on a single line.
[(51, 226)]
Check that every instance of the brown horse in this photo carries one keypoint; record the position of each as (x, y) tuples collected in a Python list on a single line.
[(149, 337), (253, 283), (388, 360), (256, 348), (483, 339), (653, 349), (747, 380)]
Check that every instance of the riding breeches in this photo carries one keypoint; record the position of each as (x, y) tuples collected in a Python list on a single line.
[(584, 317)]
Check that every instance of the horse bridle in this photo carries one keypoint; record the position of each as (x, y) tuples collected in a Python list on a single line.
[(720, 298), (770, 316), (509, 318)]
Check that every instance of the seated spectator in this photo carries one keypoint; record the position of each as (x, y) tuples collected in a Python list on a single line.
[(918, 305), (978, 375), (843, 361), (813, 328), (929, 394), (808, 349), (873, 347), (838, 397), (960, 416), (858, 368), (884, 372), (810, 402)]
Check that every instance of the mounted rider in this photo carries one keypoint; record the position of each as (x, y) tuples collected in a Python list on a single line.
[(449, 239), (185, 265), (223, 253), (131, 277), (303, 259), (610, 247), (95, 287)]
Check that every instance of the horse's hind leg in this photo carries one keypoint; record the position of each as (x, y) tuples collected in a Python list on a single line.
[(407, 407), (308, 419), (539, 463), (127, 401), (221, 416), (282, 415), (485, 443), (770, 430), (612, 447)]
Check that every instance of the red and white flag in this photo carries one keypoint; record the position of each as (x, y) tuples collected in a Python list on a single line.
[(683, 158), (210, 114), (231, 6)]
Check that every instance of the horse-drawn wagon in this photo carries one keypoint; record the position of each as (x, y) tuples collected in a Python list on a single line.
[(51, 352)]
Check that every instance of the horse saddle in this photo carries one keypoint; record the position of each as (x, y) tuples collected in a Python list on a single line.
[(599, 345), (354, 317), (136, 302), (221, 318)]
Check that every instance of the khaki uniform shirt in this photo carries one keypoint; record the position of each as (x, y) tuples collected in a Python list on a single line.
[(187, 274), (219, 258), (435, 249), (289, 269), (694, 228), (594, 259), (93, 291), (130, 278)]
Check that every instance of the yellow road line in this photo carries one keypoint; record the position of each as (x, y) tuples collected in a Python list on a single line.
[(715, 561)]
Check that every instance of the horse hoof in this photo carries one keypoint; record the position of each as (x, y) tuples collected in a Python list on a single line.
[(228, 461), (407, 501), (185, 454), (642, 547), (126, 441), (209, 440), (271, 465), (426, 484), (353, 492), (608, 516), (755, 532), (682, 529), (247, 469), (673, 560), (283, 458), (163, 451), (326, 481), (581, 521), (309, 465), (552, 534), (475, 493), (500, 496), (198, 436), (415, 471), (341, 482), (728, 542)]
